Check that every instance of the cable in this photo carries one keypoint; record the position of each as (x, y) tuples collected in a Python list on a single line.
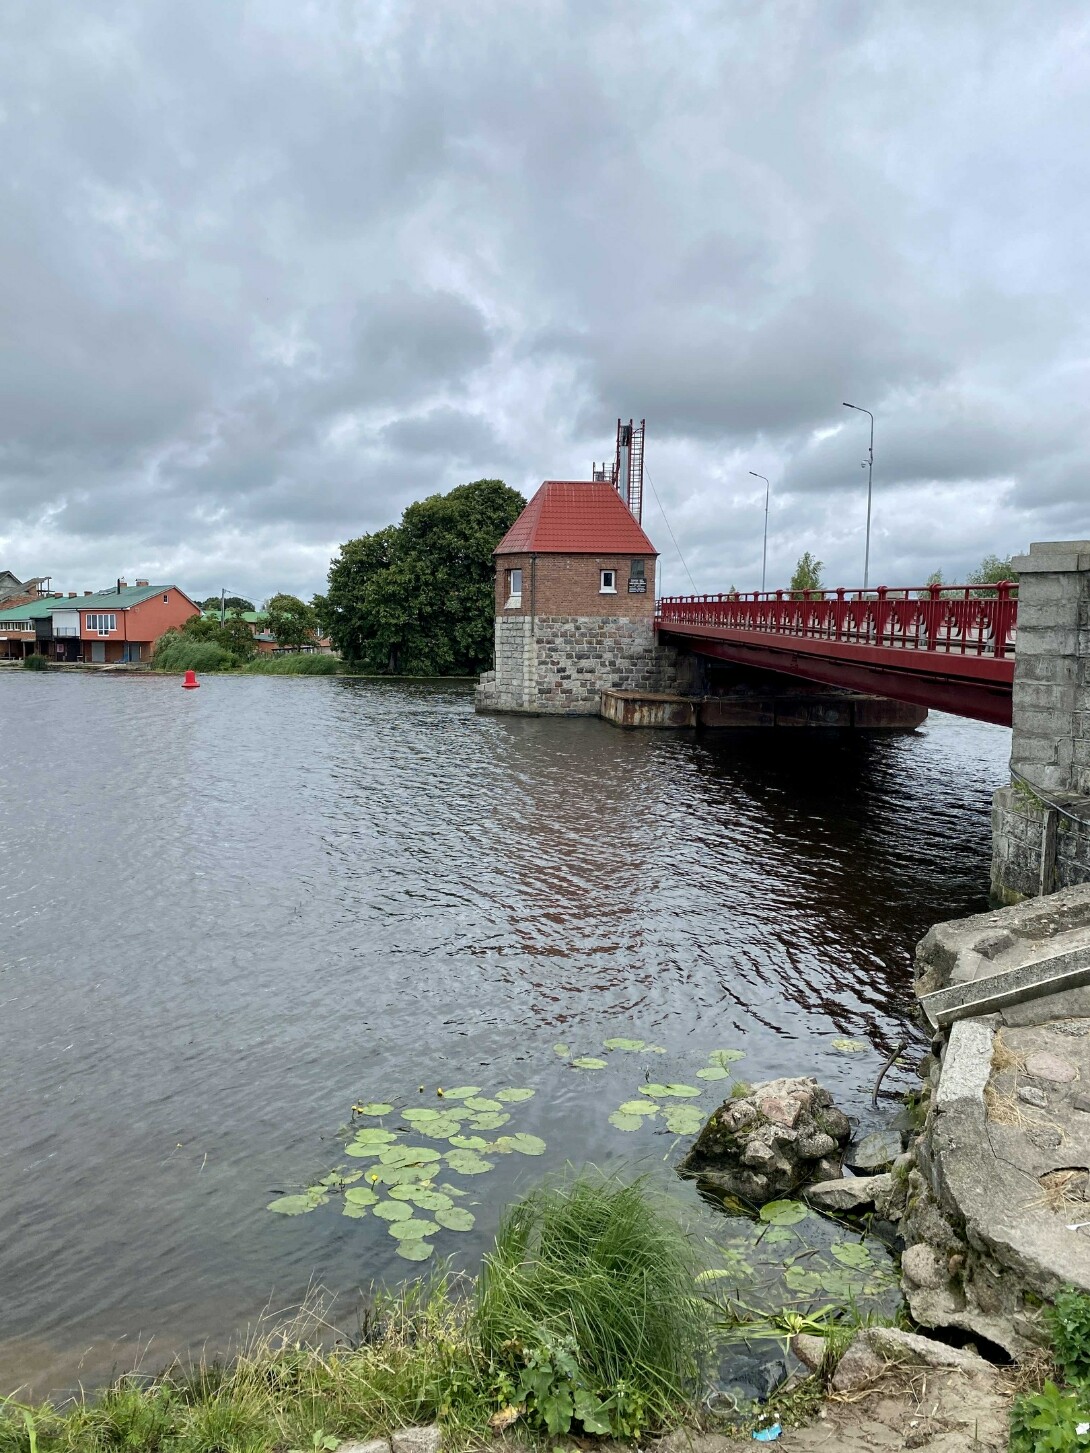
[(666, 522), (1032, 788)]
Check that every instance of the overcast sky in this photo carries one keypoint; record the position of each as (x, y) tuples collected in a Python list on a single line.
[(269, 271)]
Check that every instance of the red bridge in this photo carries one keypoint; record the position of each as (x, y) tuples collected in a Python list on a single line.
[(940, 646)]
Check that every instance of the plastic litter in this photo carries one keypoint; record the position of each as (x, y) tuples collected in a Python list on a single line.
[(767, 1435)]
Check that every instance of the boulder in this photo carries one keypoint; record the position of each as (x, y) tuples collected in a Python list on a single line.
[(859, 1366), (771, 1141), (921, 1266), (874, 1152), (416, 1440), (809, 1350), (851, 1193)]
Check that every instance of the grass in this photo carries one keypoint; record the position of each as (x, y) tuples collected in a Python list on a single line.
[(177, 652), (585, 1318), (35, 662), (301, 665)]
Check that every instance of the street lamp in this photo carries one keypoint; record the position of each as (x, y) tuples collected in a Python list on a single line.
[(764, 552), (870, 472)]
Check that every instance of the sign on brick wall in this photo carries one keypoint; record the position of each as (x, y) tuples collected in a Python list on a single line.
[(637, 587)]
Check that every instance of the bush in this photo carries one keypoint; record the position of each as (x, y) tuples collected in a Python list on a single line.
[(294, 665), (35, 663), (176, 651), (587, 1303), (1069, 1322)]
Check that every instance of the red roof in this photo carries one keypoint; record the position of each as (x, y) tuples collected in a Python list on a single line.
[(572, 517)]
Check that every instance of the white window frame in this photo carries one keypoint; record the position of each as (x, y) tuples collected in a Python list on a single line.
[(95, 621), (603, 588), (514, 597)]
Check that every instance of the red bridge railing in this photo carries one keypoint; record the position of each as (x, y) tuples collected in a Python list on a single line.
[(965, 620)]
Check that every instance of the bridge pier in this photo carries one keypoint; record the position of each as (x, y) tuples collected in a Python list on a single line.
[(1041, 821)]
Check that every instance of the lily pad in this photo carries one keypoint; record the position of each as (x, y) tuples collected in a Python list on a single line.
[(403, 1175), (354, 1213), (449, 1190), (491, 1120), (783, 1213), (682, 1092), (462, 1092), (456, 1219), (363, 1152), (851, 1253), (482, 1105), (374, 1135), (724, 1057), (468, 1142), (588, 1062), (443, 1128), (638, 1107), (625, 1122), (515, 1097), (374, 1107), (466, 1163), (630, 1045), (850, 1046), (562, 1050), (361, 1196), (393, 1211), (409, 1155), (421, 1114), (713, 1072), (427, 1200), (415, 1250), (683, 1119), (527, 1144), (293, 1205), (414, 1230)]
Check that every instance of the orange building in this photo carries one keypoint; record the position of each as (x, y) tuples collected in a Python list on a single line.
[(99, 627)]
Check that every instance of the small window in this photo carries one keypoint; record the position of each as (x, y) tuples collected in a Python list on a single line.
[(609, 583), (514, 589), (166, 599), (637, 570)]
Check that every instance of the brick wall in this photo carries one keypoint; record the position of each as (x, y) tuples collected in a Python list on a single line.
[(569, 585)]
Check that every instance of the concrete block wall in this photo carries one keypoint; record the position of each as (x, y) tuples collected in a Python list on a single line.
[(1041, 824)]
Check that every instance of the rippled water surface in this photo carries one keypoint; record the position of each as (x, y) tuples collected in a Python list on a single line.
[(226, 915)]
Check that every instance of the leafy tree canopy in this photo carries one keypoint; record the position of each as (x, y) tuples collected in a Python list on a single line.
[(291, 621), (418, 597), (807, 574), (233, 602), (992, 569), (234, 635)]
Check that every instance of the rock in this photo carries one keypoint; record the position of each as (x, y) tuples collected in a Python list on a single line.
[(1081, 1102), (770, 1142), (1051, 1067), (374, 1445), (859, 1365), (851, 1193), (894, 1345), (1044, 1139), (890, 1205), (922, 1266), (1031, 1095), (809, 1350), (875, 1151), (416, 1440)]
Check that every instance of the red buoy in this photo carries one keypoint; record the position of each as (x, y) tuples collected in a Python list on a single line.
[(191, 683)]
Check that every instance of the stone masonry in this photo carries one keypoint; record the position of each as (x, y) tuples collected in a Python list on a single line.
[(559, 665), (1041, 822)]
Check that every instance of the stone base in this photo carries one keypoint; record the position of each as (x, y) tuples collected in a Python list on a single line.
[(1038, 847)]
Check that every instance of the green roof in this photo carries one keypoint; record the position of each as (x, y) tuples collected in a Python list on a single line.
[(98, 600)]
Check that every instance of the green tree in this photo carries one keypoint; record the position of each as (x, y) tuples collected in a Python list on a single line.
[(233, 635), (992, 569), (233, 602), (290, 621), (418, 597), (807, 574)]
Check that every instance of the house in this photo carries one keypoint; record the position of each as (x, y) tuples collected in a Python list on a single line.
[(264, 640), (575, 603), (100, 627)]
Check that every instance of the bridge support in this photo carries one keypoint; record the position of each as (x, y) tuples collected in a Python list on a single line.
[(1041, 822)]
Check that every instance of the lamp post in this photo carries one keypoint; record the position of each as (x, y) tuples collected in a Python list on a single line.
[(870, 473), (764, 551)]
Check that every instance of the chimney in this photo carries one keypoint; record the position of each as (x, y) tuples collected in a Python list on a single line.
[(88, 592), (141, 582), (71, 595), (122, 585)]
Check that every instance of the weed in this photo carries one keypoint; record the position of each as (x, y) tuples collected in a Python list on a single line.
[(1047, 1422), (308, 664), (1069, 1322), (35, 662)]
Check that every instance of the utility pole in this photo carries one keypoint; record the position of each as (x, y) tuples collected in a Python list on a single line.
[(764, 551), (223, 604), (870, 474)]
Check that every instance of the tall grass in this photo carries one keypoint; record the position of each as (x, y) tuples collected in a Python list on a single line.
[(35, 662), (294, 665), (600, 1273), (584, 1318), (176, 651)]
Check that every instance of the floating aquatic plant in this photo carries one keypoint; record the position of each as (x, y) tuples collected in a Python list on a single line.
[(850, 1046), (588, 1062), (662, 1092)]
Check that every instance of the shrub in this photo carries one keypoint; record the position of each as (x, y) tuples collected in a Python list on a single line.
[(294, 665), (587, 1303), (1069, 1322), (35, 663), (175, 651), (1047, 1422)]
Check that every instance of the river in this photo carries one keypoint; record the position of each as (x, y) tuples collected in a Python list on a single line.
[(228, 915)]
